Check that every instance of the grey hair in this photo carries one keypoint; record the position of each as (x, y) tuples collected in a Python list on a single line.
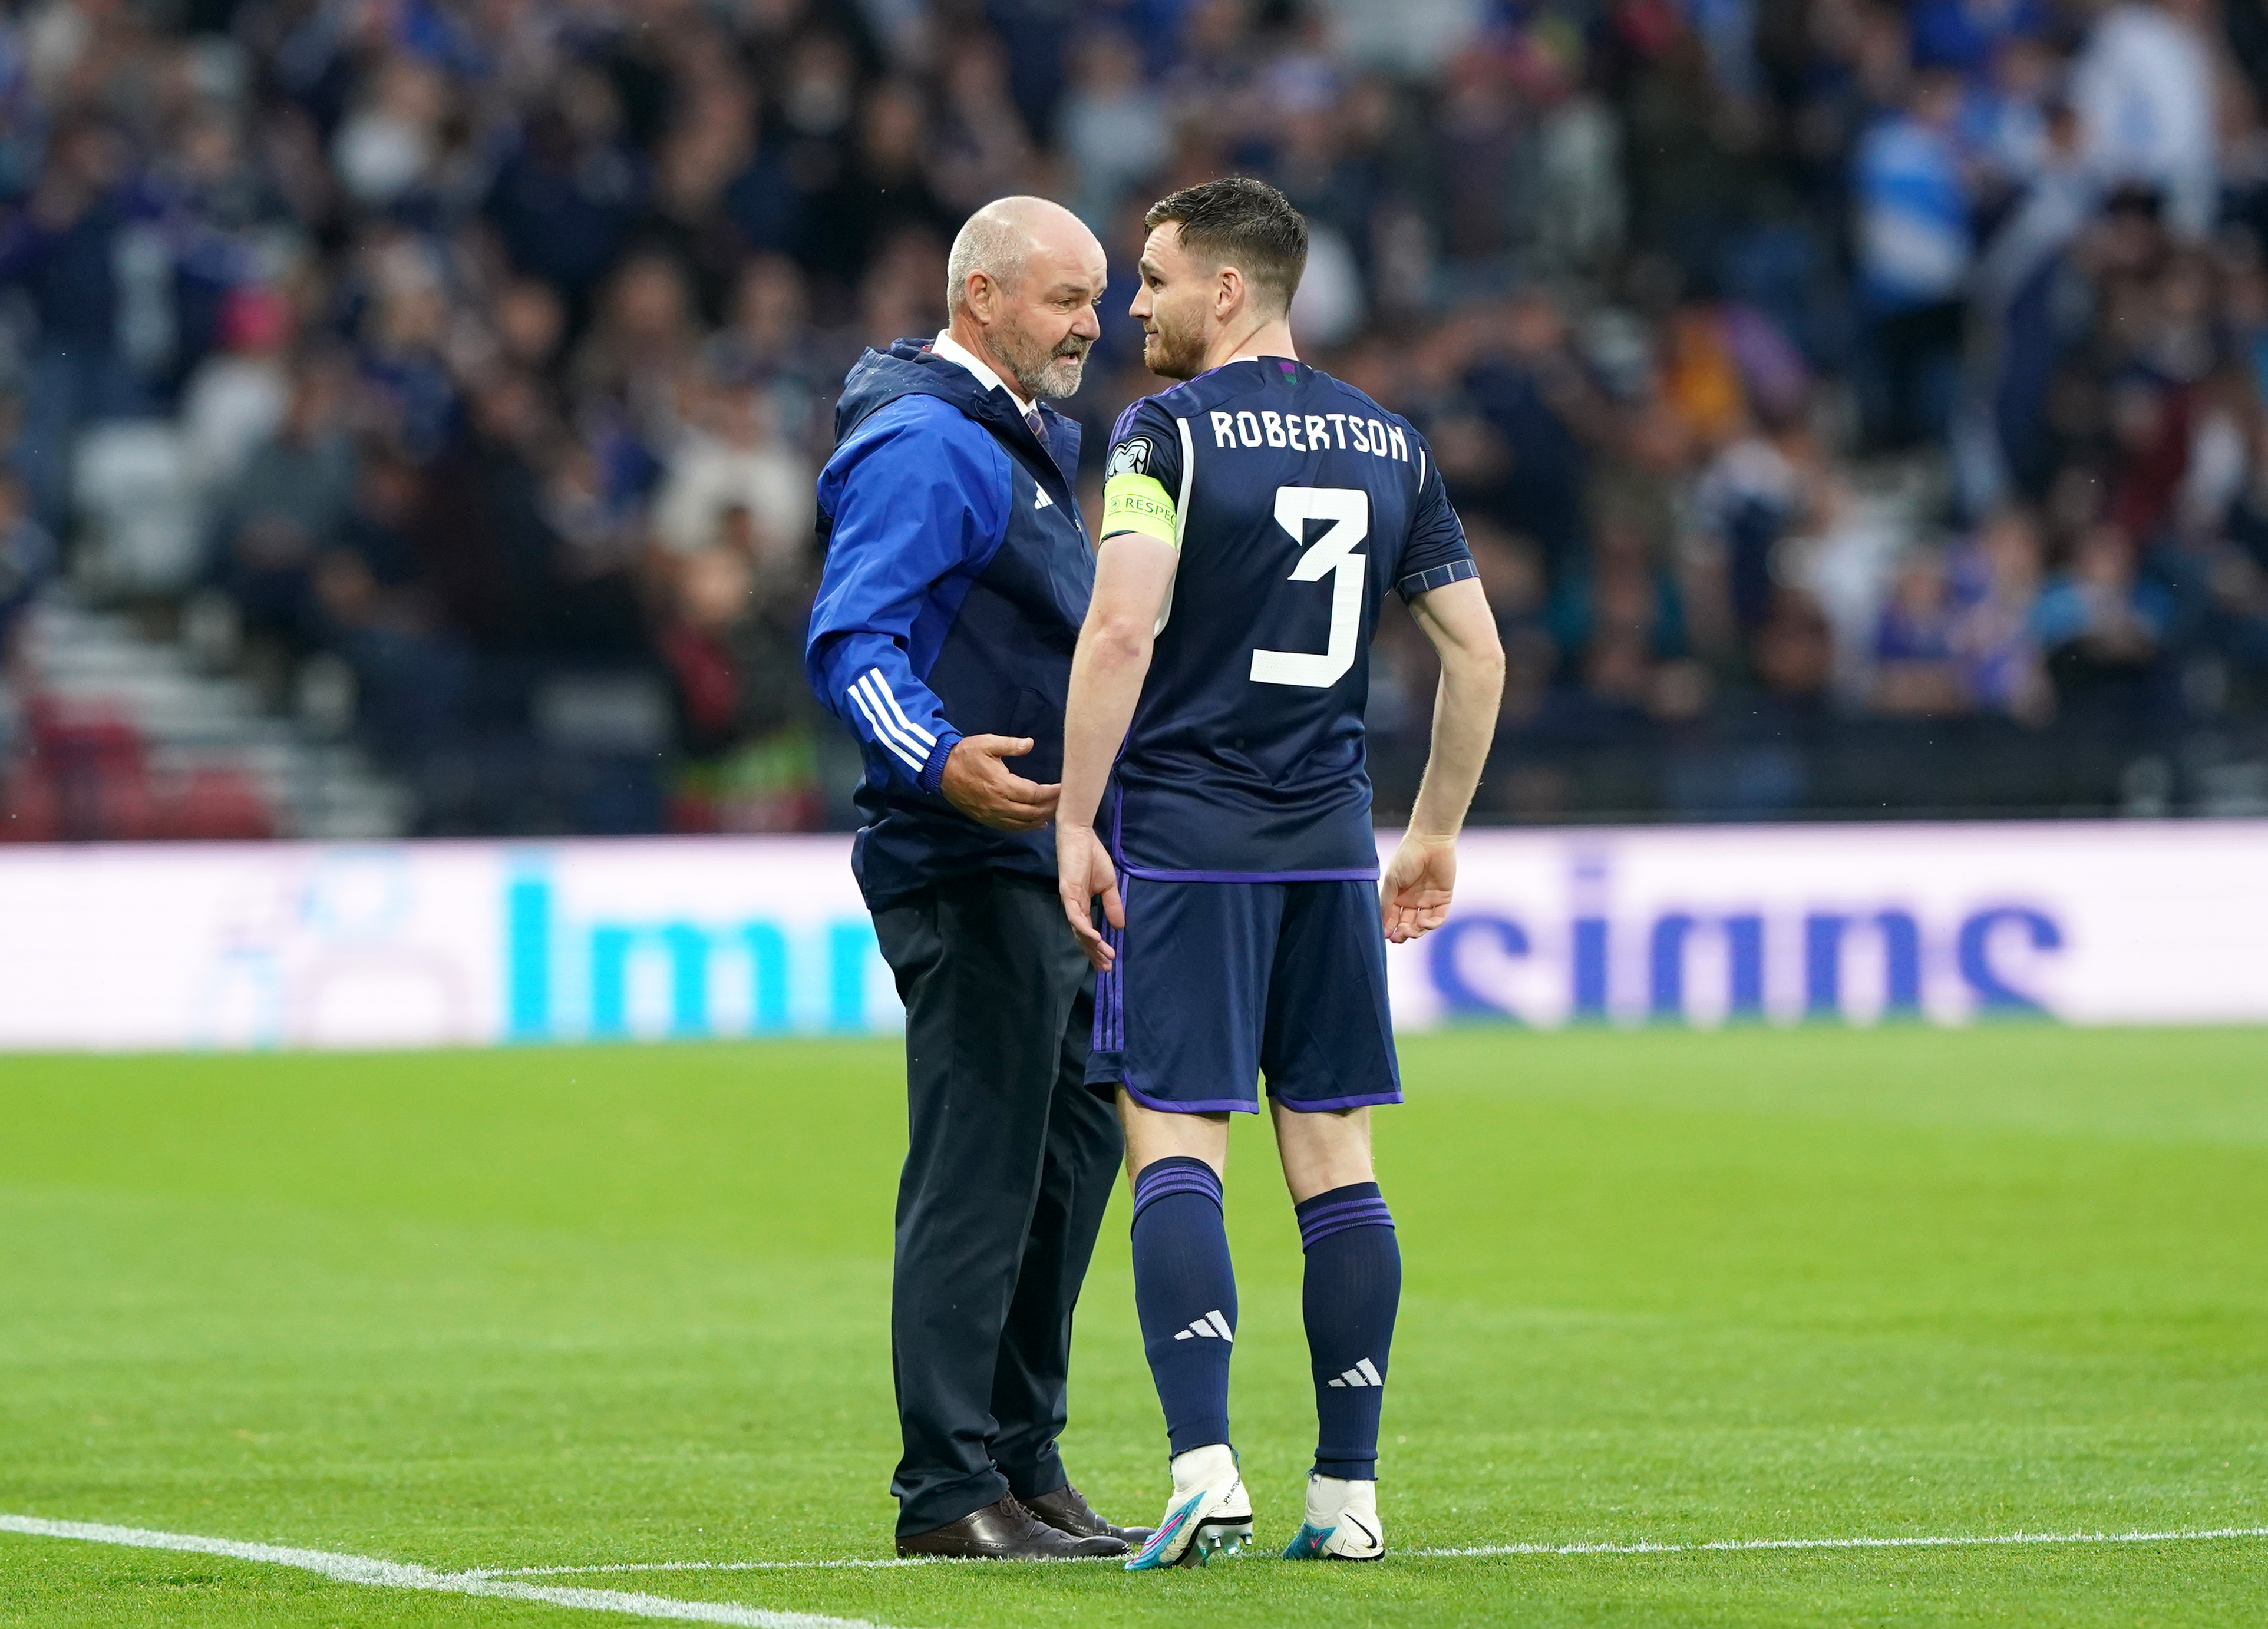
[(995, 240)]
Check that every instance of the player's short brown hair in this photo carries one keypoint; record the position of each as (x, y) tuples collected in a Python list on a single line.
[(1240, 221)]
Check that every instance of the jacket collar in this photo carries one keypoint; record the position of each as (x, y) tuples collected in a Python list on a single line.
[(985, 374), (911, 368)]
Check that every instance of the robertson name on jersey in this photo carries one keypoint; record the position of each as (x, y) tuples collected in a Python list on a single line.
[(1296, 502)]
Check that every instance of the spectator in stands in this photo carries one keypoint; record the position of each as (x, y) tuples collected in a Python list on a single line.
[(286, 508), (704, 151), (714, 585), (531, 327), (1910, 184), (1915, 666), (726, 461), (412, 673), (389, 146), (1749, 499), (2144, 88), (1795, 652), (1995, 582), (1531, 387), (980, 148), (631, 358), (2102, 625), (883, 189), (770, 346), (1111, 124), (731, 648), (237, 397), (483, 550), (65, 248), (564, 202), (408, 383)]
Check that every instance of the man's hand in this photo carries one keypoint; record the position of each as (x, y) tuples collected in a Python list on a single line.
[(1083, 870), (1414, 899), (978, 784)]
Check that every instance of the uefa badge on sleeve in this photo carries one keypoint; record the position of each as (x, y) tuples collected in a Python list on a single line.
[(1130, 458)]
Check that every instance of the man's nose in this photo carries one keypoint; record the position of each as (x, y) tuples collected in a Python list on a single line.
[(1087, 324)]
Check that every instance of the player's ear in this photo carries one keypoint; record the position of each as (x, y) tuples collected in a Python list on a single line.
[(1228, 293)]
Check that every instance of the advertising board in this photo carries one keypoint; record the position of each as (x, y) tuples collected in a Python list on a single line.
[(448, 943)]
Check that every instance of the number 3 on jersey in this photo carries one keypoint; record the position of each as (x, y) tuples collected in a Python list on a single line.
[(1332, 556)]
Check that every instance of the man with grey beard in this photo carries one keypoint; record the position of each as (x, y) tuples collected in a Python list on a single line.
[(957, 577)]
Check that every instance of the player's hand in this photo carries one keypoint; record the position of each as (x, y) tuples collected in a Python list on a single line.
[(1083, 871), (978, 784), (1414, 898)]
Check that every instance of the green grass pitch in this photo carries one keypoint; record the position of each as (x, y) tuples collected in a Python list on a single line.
[(574, 1307)]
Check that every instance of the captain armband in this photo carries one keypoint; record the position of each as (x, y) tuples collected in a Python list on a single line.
[(1138, 504), (1419, 583)]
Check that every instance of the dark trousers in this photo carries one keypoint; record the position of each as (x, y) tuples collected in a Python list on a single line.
[(1009, 1167)]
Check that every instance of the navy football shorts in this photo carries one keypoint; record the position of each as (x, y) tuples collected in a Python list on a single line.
[(1218, 984)]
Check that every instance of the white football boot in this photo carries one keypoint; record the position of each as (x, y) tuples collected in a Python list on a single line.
[(1342, 1522), (1208, 1515)]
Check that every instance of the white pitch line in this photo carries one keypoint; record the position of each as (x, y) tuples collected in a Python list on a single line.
[(724, 1567), (362, 1569), (747, 1567), (1945, 1542), (1952, 1541), (505, 1583)]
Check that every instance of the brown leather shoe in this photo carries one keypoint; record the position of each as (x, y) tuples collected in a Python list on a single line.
[(1006, 1531), (1067, 1511)]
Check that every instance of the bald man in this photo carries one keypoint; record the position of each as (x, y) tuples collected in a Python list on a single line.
[(957, 577)]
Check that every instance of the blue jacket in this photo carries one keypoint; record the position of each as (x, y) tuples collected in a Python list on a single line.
[(958, 572)]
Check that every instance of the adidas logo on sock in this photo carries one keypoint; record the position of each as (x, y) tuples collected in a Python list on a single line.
[(1361, 1375), (1211, 1327)]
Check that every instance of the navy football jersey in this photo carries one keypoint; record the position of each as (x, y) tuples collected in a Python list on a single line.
[(1296, 502)]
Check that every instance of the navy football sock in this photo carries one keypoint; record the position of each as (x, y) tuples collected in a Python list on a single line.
[(1185, 1291), (1354, 1284)]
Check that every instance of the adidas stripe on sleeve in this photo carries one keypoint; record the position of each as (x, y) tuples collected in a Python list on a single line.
[(886, 723)]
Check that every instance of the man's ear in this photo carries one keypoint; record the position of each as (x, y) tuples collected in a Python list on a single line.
[(980, 293), (1228, 293)]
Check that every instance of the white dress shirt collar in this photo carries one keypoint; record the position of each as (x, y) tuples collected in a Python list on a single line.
[(952, 350)]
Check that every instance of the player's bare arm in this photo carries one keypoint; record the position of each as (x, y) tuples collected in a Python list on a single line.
[(1414, 897), (1133, 574)]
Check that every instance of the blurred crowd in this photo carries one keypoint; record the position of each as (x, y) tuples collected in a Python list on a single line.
[(1819, 380)]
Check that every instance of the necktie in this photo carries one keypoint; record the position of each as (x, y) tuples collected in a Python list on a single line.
[(1038, 428)]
